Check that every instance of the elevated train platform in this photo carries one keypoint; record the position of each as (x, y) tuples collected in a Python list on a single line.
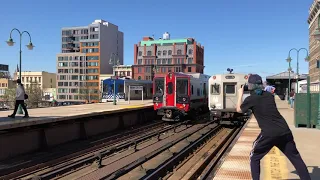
[(275, 165), (49, 127), (61, 113)]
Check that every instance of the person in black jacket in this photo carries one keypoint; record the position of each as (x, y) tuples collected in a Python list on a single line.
[(274, 128)]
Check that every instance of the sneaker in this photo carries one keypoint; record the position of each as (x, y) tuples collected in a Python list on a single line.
[(27, 116), (11, 116)]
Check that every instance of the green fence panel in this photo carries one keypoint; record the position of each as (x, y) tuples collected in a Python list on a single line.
[(301, 109)]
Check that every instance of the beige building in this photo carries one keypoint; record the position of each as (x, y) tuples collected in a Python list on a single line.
[(5, 84), (43, 78), (314, 45), (123, 71)]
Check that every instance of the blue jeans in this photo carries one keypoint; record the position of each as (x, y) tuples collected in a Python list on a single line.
[(292, 102)]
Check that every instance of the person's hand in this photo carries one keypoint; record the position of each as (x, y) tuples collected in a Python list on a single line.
[(240, 91)]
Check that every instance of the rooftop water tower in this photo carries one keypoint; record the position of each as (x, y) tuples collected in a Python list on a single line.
[(166, 36)]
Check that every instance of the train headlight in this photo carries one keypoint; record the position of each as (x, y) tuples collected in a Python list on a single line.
[(213, 106), (183, 105), (156, 98), (156, 104), (184, 99)]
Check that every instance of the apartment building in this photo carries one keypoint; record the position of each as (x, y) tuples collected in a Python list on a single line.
[(90, 49), (167, 55), (5, 84), (314, 45), (123, 71), (42, 78)]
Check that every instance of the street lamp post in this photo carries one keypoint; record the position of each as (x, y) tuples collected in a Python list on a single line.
[(114, 62), (306, 59), (30, 46), (317, 37), (289, 70)]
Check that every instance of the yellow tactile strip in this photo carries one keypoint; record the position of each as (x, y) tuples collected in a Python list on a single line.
[(275, 165), (237, 163)]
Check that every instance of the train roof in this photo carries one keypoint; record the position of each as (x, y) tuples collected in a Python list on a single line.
[(194, 75), (122, 81)]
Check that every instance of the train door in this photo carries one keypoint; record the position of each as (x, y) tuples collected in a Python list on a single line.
[(170, 90), (230, 95)]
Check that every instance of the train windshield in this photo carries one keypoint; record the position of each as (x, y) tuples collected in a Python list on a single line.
[(159, 85), (182, 86)]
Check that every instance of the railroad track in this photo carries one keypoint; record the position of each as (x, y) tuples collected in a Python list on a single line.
[(43, 162), (173, 151), (192, 154), (88, 157)]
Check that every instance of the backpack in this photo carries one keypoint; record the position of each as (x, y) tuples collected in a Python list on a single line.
[(26, 96)]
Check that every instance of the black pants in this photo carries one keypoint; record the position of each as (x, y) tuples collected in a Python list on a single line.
[(262, 145), (20, 102)]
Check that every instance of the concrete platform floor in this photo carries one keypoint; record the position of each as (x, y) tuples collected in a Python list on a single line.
[(274, 165), (61, 112)]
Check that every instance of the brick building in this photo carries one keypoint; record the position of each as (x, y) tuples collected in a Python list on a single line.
[(167, 55), (314, 46)]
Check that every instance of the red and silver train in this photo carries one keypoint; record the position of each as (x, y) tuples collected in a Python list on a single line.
[(176, 95)]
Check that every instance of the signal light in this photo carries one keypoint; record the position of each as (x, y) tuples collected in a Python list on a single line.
[(245, 77), (214, 77)]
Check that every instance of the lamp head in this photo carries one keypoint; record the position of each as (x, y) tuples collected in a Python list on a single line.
[(30, 46), (289, 59), (10, 42)]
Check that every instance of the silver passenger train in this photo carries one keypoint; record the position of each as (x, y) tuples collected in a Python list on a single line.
[(223, 97)]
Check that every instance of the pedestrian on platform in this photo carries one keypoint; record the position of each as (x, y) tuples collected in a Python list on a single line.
[(20, 97), (274, 128), (292, 95)]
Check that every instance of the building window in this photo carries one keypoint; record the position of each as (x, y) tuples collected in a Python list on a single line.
[(139, 61), (169, 52), (190, 60), (140, 53), (179, 52), (169, 61), (158, 61), (139, 70), (189, 69), (128, 73), (190, 51), (139, 77), (163, 69), (159, 53), (164, 52), (164, 61), (149, 53)]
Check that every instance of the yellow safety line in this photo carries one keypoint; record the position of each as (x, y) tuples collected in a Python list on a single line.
[(275, 165), (132, 106)]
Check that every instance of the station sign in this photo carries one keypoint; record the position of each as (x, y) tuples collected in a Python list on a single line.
[(136, 88), (4, 67)]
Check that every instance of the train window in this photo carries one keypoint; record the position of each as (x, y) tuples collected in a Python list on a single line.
[(192, 89), (215, 89), (198, 91), (230, 89), (159, 85), (182, 87), (170, 88)]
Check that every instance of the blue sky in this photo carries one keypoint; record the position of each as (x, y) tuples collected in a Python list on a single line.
[(249, 36)]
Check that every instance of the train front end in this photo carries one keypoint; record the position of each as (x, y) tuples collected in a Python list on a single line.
[(172, 101)]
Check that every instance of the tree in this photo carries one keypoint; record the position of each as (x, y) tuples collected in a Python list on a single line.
[(35, 94), (9, 97)]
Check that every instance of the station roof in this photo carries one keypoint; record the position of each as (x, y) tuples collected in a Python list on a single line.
[(285, 75)]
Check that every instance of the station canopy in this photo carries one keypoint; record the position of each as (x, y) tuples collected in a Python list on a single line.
[(285, 75)]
